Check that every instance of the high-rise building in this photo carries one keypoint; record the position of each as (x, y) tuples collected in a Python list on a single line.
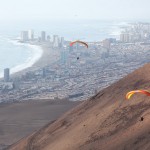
[(122, 37), (43, 36), (64, 54), (106, 43), (125, 37), (48, 38), (62, 42), (70, 48), (55, 41), (24, 36), (31, 34), (6, 74)]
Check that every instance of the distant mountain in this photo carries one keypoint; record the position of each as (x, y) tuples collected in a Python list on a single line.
[(106, 121)]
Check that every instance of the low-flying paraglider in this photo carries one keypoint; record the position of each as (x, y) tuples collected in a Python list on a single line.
[(129, 94)]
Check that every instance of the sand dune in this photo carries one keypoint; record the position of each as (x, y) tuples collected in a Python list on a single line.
[(105, 122)]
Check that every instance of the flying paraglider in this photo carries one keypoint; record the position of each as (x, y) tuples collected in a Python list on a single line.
[(129, 94), (72, 43), (77, 41)]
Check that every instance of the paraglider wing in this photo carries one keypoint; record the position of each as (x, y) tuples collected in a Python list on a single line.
[(129, 94), (72, 43)]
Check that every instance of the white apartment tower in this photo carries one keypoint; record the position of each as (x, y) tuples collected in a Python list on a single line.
[(31, 34), (106, 43), (62, 41), (43, 35), (24, 36), (55, 41)]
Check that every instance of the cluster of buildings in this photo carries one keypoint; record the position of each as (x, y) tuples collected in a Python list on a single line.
[(76, 79), (138, 32), (28, 36)]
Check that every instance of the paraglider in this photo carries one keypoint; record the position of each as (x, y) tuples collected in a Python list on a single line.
[(72, 43), (81, 42), (129, 94)]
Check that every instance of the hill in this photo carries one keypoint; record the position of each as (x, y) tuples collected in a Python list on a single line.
[(104, 122)]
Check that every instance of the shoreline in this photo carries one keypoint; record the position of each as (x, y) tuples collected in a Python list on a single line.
[(31, 60), (47, 57)]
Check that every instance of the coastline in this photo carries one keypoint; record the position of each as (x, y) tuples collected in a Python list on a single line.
[(36, 53), (45, 57)]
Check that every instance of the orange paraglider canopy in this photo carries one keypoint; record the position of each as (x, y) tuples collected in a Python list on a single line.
[(72, 43), (129, 94)]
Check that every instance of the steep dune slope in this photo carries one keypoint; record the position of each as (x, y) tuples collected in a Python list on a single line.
[(105, 122)]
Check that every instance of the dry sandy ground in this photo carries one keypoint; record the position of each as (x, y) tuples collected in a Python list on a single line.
[(107, 121), (18, 120)]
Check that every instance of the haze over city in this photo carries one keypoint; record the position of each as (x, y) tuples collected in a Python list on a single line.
[(74, 9)]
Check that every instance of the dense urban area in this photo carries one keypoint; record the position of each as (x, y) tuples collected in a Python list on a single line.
[(78, 72)]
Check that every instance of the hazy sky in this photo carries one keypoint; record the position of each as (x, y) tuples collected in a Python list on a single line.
[(75, 9)]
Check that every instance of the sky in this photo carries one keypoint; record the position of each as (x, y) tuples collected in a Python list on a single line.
[(73, 9)]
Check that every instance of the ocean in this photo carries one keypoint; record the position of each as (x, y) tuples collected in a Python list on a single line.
[(17, 56)]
